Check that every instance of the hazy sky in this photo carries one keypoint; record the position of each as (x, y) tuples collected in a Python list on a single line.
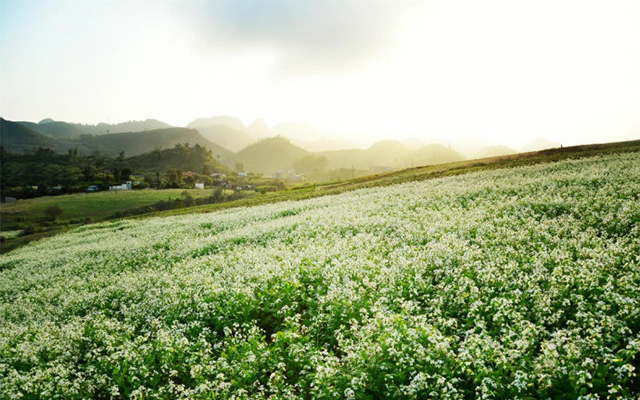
[(506, 71)]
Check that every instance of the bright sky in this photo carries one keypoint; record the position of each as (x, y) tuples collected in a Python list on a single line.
[(503, 71)]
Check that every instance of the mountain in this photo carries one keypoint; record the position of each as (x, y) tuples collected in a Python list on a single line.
[(52, 128), (258, 129), (226, 136), (327, 145), (231, 122), (390, 153), (297, 133), (270, 155), (17, 138), (138, 126), (469, 146), (496, 151), (134, 143), (185, 158), (60, 129), (434, 154), (228, 132), (539, 144)]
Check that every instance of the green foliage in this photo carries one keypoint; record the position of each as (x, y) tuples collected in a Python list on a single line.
[(514, 283), (53, 211), (74, 173)]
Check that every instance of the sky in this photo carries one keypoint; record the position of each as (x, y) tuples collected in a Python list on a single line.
[(503, 71)]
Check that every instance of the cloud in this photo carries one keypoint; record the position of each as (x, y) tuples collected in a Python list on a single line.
[(309, 37)]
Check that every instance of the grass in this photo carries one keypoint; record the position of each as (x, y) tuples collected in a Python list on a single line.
[(502, 284), (97, 206), (82, 205), (418, 174), (77, 208)]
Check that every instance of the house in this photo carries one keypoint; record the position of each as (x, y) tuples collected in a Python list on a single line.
[(93, 188), (199, 186), (242, 174), (124, 186), (218, 175), (189, 174)]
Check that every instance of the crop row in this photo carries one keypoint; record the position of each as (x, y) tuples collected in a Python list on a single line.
[(521, 283)]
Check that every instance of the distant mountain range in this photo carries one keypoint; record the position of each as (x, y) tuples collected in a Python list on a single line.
[(256, 146), (61, 129)]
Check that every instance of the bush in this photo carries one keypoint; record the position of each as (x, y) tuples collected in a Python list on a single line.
[(31, 229), (53, 212)]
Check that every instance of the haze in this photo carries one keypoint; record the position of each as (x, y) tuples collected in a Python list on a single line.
[(500, 71)]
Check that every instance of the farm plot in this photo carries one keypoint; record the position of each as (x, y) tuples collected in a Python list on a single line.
[(520, 283)]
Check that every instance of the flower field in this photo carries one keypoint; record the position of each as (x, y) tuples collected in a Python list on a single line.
[(519, 283)]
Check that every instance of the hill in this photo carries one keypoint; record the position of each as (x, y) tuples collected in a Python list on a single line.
[(390, 154), (459, 285), (496, 151), (181, 157), (433, 154), (134, 143), (17, 138), (231, 122), (55, 129), (135, 126), (270, 155), (60, 129), (540, 144), (226, 136)]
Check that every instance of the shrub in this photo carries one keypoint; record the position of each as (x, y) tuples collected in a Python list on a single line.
[(53, 211)]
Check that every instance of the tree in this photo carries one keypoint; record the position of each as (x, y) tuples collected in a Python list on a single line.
[(53, 212), (174, 177), (125, 174)]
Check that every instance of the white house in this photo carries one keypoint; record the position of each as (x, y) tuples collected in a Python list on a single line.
[(199, 186), (124, 186)]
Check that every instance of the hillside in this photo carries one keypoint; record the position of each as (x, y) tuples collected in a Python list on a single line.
[(18, 138), (184, 158), (60, 129), (226, 136), (225, 120), (270, 155), (433, 154), (391, 154), (55, 129), (134, 143), (498, 283)]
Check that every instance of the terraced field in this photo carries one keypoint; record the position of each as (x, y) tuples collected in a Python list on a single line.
[(514, 283)]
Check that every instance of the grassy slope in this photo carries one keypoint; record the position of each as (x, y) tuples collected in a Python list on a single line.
[(419, 174), (519, 283), (83, 205), (105, 204)]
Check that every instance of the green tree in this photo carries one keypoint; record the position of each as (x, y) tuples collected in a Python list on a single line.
[(53, 212), (174, 177)]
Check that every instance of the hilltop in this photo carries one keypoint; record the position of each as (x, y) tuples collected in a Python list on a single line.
[(270, 155), (63, 129)]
